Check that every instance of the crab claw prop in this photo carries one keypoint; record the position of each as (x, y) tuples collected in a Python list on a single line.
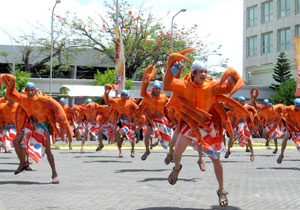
[(254, 96), (176, 57), (147, 76), (234, 80), (8, 80), (183, 52)]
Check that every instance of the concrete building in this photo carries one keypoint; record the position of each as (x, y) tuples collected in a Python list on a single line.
[(269, 28)]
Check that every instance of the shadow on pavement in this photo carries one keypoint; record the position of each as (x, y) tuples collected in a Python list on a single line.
[(233, 161), (98, 156), (265, 155), (176, 208), (107, 161), (282, 168), (10, 163), (140, 170), (6, 170), (166, 179), (23, 182), (291, 160)]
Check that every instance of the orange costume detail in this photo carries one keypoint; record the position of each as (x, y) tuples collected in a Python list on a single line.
[(42, 107), (199, 104)]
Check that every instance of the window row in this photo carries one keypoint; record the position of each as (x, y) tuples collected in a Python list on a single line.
[(267, 8), (283, 41)]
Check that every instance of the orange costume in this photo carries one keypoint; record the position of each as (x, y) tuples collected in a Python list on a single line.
[(269, 116), (123, 108), (34, 115), (198, 105), (154, 109), (7, 125)]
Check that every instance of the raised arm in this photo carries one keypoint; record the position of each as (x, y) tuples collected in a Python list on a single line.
[(146, 79), (9, 81)]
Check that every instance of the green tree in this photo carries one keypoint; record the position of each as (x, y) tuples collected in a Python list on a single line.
[(282, 72), (285, 94), (22, 79), (146, 40), (108, 77)]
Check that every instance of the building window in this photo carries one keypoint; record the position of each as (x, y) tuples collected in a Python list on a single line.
[(284, 8), (249, 78), (252, 16), (252, 46), (297, 30), (284, 39), (297, 6), (267, 11), (267, 42)]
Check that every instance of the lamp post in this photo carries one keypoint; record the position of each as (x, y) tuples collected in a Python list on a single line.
[(182, 10), (51, 50)]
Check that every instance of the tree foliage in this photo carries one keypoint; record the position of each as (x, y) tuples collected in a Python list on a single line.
[(282, 72), (22, 79), (108, 77), (146, 40), (285, 94)]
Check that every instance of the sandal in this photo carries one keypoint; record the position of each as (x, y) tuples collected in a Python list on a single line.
[(201, 165), (169, 159), (145, 155), (172, 180), (55, 180), (21, 168), (222, 202), (280, 158), (227, 154), (99, 147), (275, 151), (252, 157), (132, 154)]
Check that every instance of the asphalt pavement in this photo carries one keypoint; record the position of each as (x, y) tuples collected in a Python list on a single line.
[(102, 180)]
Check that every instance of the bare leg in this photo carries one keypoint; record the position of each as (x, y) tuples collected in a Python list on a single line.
[(230, 143), (173, 141), (249, 144), (132, 150), (100, 139), (84, 139), (147, 142), (50, 158), (119, 141), (20, 152), (276, 146), (219, 175), (200, 161), (265, 135), (283, 146)]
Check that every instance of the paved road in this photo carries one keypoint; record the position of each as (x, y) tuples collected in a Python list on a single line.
[(101, 180)]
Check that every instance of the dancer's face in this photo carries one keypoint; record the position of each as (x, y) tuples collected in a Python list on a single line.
[(30, 91), (200, 76), (124, 97), (297, 108), (156, 91)]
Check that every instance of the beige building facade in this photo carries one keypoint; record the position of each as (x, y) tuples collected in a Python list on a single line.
[(269, 28)]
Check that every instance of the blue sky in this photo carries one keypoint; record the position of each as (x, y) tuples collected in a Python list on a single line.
[(222, 19)]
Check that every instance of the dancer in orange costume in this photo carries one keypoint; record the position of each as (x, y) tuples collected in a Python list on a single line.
[(7, 123), (125, 125), (70, 116), (33, 118), (90, 111), (271, 119), (154, 103), (241, 124), (201, 112), (292, 116)]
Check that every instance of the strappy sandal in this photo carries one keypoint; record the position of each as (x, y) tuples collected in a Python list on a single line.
[(21, 168), (172, 180), (132, 154), (280, 158), (227, 154), (55, 180), (222, 202), (145, 155), (201, 165), (99, 147), (168, 159)]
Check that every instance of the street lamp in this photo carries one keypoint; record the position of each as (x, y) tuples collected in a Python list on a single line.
[(51, 50), (182, 10)]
